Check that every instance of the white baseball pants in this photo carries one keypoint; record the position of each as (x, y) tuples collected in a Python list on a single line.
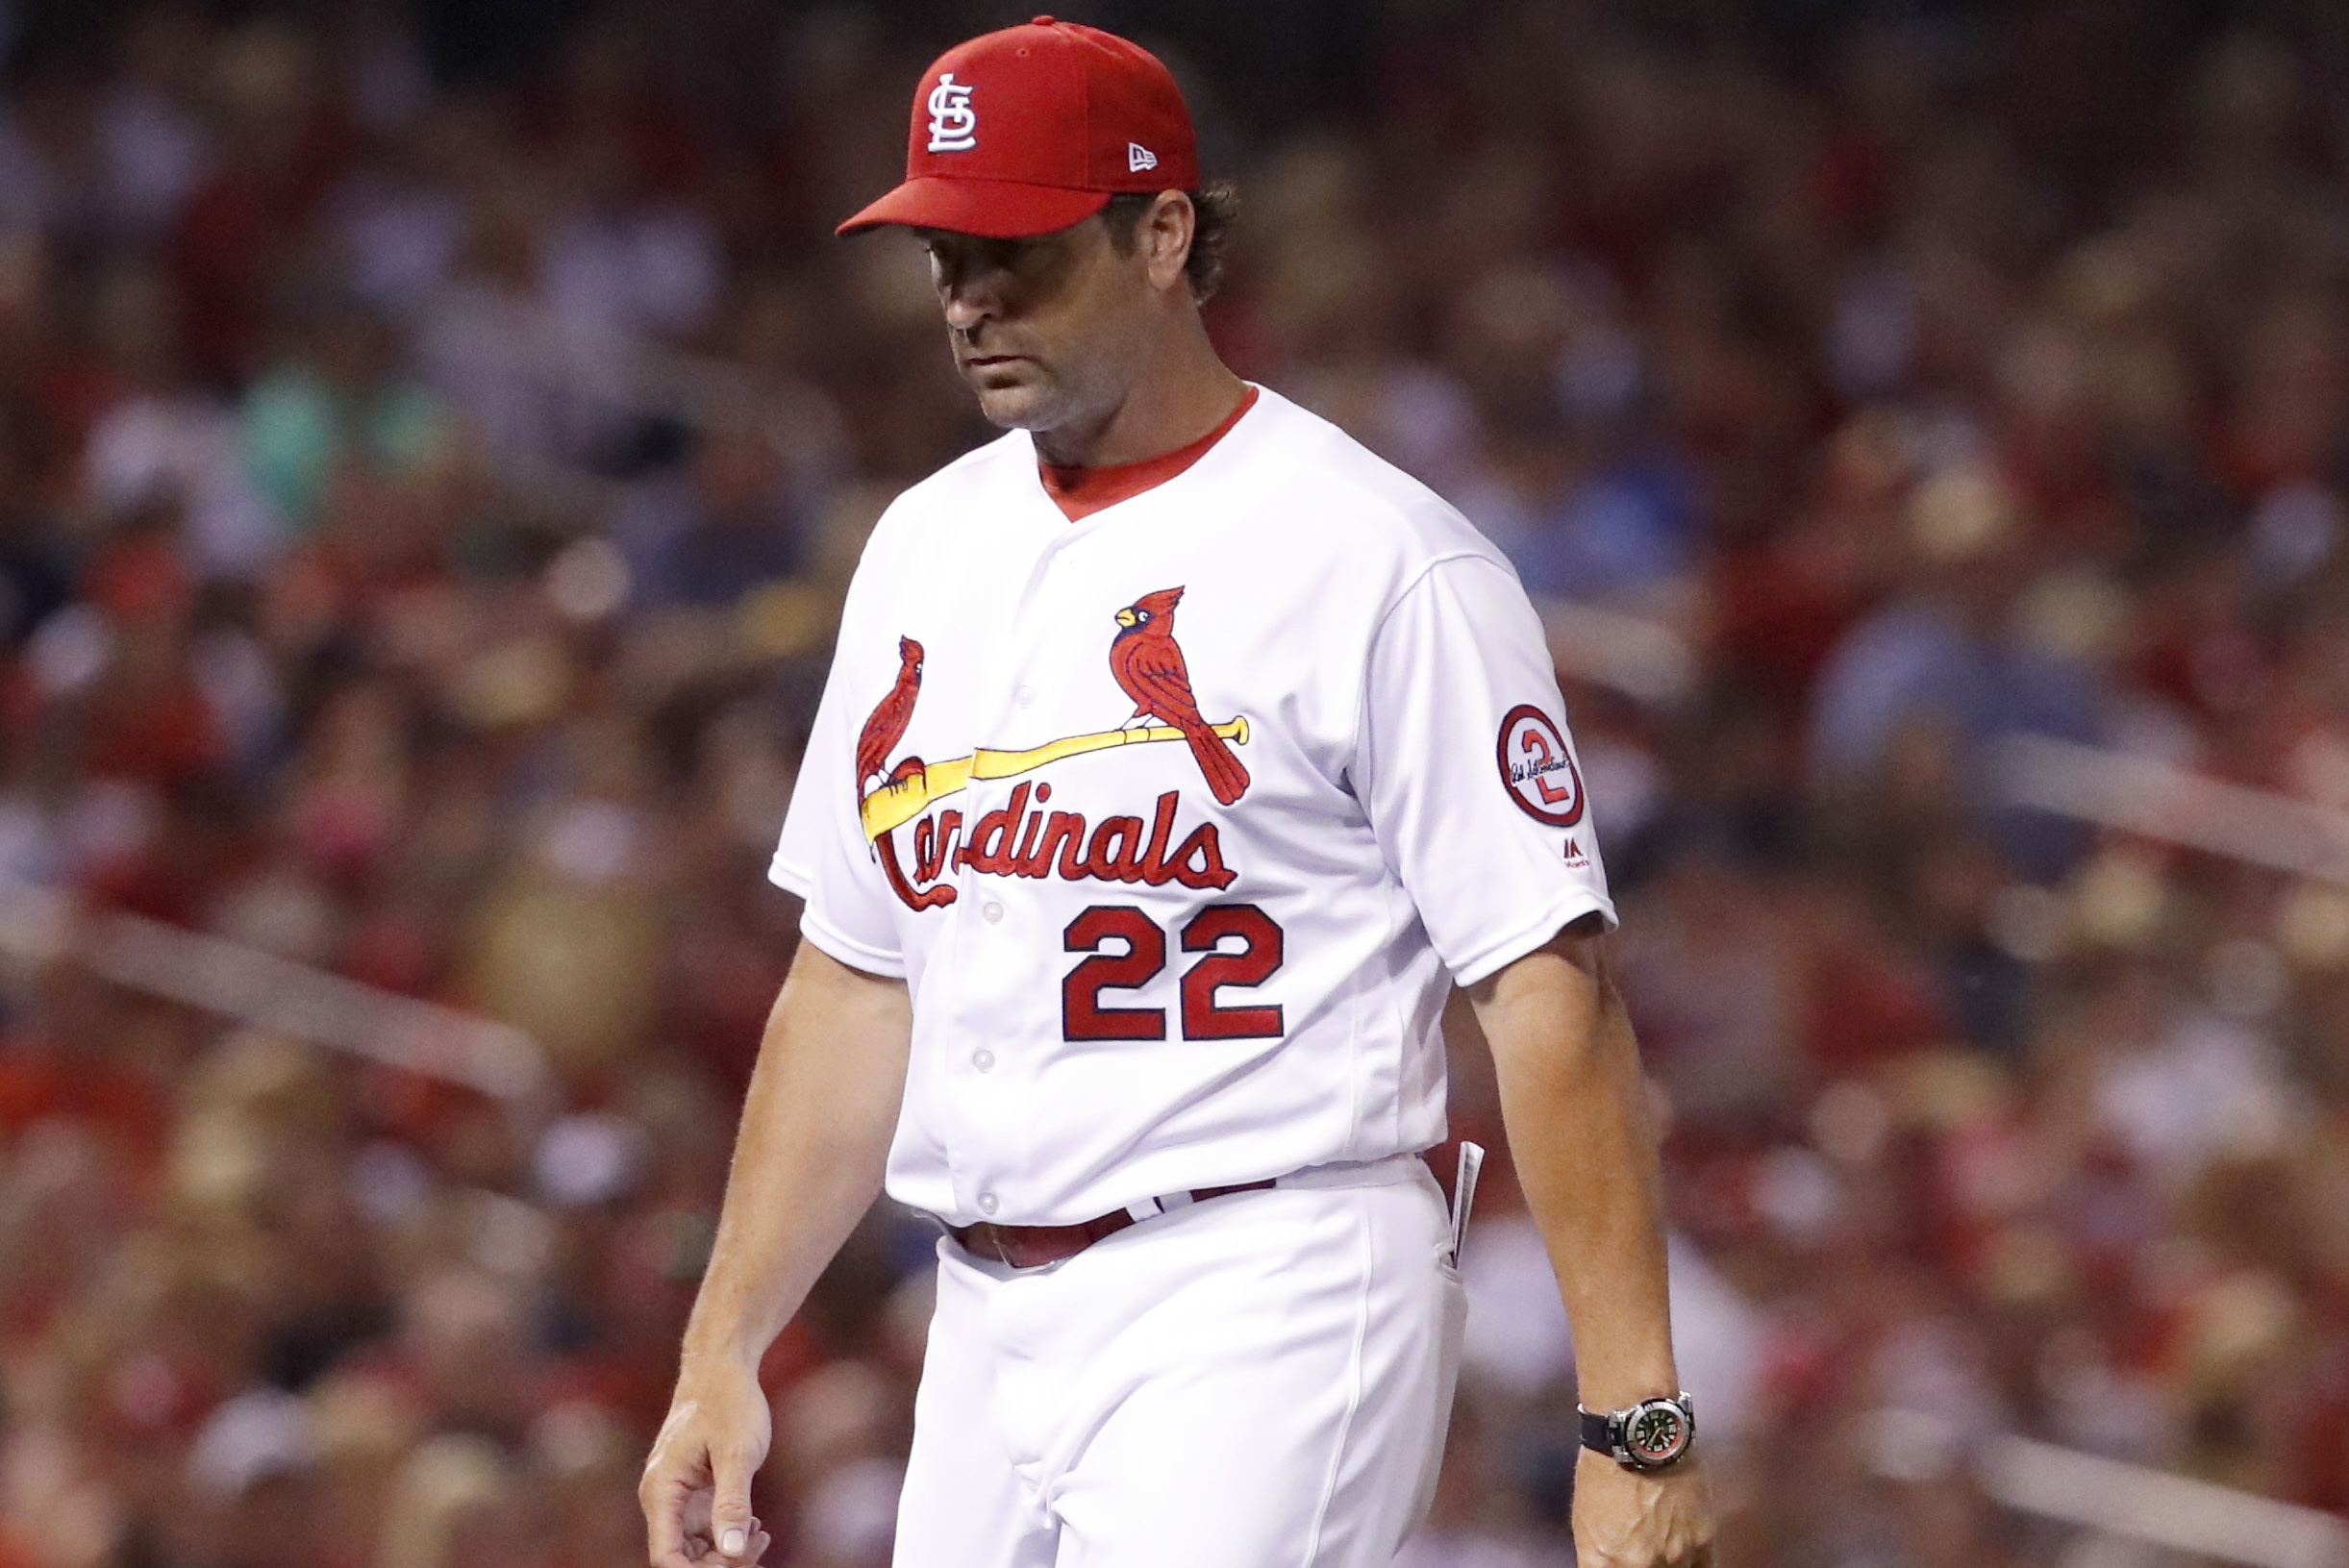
[(1259, 1381)]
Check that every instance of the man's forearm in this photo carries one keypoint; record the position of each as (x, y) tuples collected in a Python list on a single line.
[(1585, 1149), (808, 1161)]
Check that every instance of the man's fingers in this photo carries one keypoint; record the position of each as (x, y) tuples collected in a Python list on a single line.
[(663, 1495), (671, 1470), (731, 1525), (665, 1526), (1623, 1520)]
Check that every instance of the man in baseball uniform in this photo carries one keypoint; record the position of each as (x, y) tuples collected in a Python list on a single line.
[(1177, 754)]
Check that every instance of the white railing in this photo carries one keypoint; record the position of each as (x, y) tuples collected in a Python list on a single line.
[(2157, 799), (1644, 658), (259, 989), (2121, 1508), (2134, 1502)]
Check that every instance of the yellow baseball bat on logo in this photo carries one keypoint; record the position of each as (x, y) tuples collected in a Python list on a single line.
[(900, 801)]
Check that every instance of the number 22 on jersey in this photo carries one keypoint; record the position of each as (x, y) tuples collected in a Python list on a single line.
[(1253, 961)]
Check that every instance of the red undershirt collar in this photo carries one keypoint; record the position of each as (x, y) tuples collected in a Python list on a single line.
[(1079, 492)]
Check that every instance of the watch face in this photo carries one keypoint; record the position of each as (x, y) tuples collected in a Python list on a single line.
[(1656, 1432)]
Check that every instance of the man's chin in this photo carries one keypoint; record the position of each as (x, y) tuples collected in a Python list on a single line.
[(1021, 407)]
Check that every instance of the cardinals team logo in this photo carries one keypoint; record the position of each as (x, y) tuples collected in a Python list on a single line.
[(953, 125), (887, 726), (1148, 666)]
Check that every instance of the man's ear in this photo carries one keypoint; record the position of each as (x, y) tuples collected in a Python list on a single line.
[(1167, 231)]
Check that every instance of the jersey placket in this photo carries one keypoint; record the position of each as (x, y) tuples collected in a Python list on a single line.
[(1000, 947)]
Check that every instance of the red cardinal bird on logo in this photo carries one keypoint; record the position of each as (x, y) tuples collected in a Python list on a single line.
[(888, 723), (1148, 663)]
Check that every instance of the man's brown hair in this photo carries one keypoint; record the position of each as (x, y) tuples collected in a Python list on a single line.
[(1216, 207)]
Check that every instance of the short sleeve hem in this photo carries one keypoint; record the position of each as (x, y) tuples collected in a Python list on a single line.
[(1506, 950), (790, 878), (835, 943)]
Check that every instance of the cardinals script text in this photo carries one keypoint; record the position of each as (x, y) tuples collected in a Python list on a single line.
[(1023, 839)]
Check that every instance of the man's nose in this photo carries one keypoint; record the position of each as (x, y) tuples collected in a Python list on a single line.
[(968, 297), (965, 308)]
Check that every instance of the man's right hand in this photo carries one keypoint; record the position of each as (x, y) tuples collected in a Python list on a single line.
[(807, 1165), (695, 1491)]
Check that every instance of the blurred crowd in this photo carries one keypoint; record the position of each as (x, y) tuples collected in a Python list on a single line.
[(433, 447)]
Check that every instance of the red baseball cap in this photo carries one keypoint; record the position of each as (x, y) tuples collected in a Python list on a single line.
[(1035, 128)]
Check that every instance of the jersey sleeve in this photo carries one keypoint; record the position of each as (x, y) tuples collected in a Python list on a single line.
[(1467, 773), (823, 857)]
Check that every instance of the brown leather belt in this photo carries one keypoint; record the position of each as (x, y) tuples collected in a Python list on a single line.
[(1032, 1246)]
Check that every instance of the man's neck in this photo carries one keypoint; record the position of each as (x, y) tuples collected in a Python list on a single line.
[(1183, 392)]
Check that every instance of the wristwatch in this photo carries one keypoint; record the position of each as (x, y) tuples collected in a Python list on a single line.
[(1648, 1435)]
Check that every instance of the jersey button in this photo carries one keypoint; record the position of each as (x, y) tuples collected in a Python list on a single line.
[(1025, 696), (993, 913), (987, 1204), (984, 1061)]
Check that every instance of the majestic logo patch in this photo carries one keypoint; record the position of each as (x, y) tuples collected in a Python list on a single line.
[(1148, 666), (1139, 157), (953, 125), (1537, 769)]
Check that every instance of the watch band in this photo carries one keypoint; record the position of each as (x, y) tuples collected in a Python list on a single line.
[(1599, 1432)]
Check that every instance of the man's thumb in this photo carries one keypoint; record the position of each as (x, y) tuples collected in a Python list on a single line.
[(729, 1504)]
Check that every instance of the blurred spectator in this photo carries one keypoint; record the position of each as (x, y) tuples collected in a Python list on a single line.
[(723, 525), (338, 402)]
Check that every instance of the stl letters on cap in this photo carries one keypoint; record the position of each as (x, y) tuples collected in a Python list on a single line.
[(953, 125)]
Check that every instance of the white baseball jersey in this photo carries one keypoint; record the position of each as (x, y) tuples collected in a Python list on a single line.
[(1174, 819)]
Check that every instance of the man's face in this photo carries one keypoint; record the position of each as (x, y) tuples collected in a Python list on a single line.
[(1048, 331)]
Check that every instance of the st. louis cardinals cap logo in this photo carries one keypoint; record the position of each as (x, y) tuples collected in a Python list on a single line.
[(1539, 769), (953, 124)]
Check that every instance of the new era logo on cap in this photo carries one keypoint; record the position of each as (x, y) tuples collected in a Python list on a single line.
[(1139, 157)]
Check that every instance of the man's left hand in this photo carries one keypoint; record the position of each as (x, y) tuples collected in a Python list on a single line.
[(1642, 1519)]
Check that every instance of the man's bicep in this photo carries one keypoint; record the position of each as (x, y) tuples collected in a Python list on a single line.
[(844, 1002), (1563, 979), (837, 1046), (1579, 945), (841, 979)]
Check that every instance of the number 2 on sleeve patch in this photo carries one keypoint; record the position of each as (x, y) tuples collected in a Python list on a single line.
[(1539, 769)]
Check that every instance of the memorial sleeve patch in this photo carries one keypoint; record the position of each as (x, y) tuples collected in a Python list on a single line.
[(1537, 769)]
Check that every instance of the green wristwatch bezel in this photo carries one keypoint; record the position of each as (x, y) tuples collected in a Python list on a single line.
[(1653, 1434)]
